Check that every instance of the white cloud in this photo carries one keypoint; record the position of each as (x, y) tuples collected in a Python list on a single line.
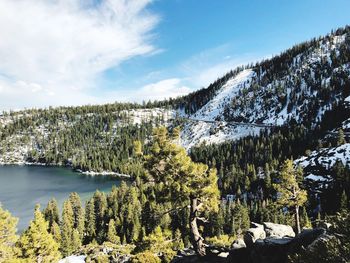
[(168, 88), (209, 65), (53, 50), (163, 89)]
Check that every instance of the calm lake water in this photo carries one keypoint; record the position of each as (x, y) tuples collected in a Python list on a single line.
[(22, 187)]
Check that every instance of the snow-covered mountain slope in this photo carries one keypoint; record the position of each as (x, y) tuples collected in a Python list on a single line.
[(207, 125), (214, 109), (293, 93), (299, 85), (326, 157), (318, 165)]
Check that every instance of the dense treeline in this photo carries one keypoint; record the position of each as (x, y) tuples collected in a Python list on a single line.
[(174, 203)]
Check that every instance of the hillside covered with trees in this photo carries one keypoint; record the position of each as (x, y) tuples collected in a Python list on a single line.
[(265, 143)]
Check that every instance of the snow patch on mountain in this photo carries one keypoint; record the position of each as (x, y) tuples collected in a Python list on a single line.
[(139, 116), (326, 157), (207, 125), (213, 110), (73, 259), (196, 133), (318, 178)]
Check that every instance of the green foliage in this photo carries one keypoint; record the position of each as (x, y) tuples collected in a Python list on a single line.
[(51, 213), (67, 247), (221, 241), (8, 236), (78, 214), (156, 242), (334, 248), (289, 192), (145, 257), (36, 244), (90, 222), (112, 233)]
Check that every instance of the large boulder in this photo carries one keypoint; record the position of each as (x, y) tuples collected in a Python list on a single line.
[(238, 243), (240, 255), (252, 234), (306, 238), (276, 249), (278, 230), (270, 250)]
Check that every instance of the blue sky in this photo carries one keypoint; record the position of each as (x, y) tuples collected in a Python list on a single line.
[(141, 49)]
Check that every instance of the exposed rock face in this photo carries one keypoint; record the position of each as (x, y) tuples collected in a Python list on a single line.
[(238, 243), (262, 250), (306, 238), (253, 234), (278, 230), (276, 249)]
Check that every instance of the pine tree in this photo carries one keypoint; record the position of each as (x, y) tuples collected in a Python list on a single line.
[(344, 202), (186, 182), (305, 220), (112, 233), (67, 229), (78, 214), (8, 236), (90, 222), (36, 243), (138, 148), (51, 213), (56, 233), (290, 194), (341, 138), (100, 205)]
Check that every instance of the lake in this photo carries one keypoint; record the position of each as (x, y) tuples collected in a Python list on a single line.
[(22, 187)]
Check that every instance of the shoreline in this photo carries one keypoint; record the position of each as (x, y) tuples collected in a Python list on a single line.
[(90, 173)]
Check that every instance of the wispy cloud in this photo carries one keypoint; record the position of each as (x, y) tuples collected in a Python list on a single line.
[(194, 73), (52, 51), (159, 90), (204, 68)]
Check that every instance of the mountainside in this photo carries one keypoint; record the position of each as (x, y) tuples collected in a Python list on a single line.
[(299, 85), (307, 85), (277, 135)]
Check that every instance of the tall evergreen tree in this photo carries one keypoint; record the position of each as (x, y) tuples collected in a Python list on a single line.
[(90, 222), (78, 214), (185, 181), (67, 226), (100, 205), (36, 243), (51, 213), (112, 233), (8, 236), (289, 191)]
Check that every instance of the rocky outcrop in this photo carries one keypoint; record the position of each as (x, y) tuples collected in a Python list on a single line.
[(278, 230), (238, 243), (277, 245), (254, 233)]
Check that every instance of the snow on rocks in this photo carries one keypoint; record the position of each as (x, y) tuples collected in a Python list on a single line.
[(139, 116), (317, 178), (73, 259), (105, 173), (326, 157)]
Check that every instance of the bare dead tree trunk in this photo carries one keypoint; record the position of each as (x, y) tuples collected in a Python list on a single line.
[(197, 239), (297, 219)]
